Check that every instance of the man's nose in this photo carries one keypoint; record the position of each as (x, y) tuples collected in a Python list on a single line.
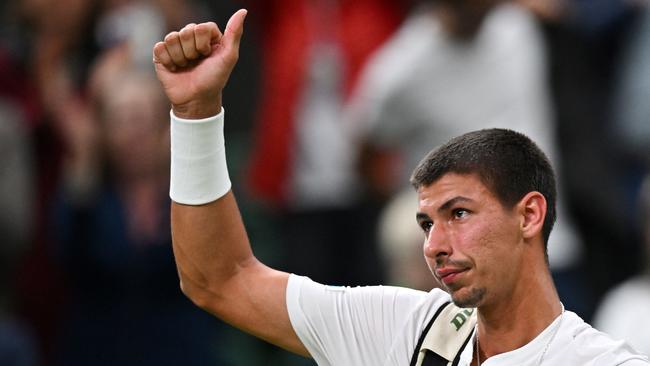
[(436, 244)]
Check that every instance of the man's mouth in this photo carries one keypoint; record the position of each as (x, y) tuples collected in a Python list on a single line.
[(449, 275)]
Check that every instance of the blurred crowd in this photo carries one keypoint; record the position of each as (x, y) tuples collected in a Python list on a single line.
[(331, 106)]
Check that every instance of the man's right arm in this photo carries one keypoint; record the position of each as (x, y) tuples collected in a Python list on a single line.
[(220, 274), (217, 268)]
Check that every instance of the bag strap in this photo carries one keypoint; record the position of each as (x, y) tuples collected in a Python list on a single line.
[(445, 336), (414, 359)]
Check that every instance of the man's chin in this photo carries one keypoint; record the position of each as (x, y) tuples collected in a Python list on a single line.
[(468, 298)]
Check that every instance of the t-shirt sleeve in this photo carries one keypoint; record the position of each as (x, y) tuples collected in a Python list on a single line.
[(348, 326)]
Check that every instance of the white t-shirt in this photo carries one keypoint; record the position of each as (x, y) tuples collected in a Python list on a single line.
[(380, 325)]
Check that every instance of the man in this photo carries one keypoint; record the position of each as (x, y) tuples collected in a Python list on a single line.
[(485, 242)]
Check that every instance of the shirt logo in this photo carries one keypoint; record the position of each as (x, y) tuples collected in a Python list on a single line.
[(461, 317)]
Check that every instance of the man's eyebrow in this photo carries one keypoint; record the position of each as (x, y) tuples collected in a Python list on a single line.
[(445, 206), (421, 216)]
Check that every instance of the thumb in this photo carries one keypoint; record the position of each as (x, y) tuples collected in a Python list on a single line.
[(234, 30)]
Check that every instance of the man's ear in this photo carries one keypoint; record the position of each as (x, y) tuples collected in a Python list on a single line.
[(532, 208)]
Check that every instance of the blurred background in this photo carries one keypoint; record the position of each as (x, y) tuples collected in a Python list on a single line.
[(332, 104)]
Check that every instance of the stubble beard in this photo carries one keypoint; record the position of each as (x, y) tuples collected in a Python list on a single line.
[(471, 300)]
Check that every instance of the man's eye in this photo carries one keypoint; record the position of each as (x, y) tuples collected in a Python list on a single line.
[(426, 226), (460, 213)]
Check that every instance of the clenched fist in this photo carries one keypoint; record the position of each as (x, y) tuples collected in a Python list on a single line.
[(194, 64)]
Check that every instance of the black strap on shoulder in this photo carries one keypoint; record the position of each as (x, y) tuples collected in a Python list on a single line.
[(457, 359), (433, 359), (414, 359)]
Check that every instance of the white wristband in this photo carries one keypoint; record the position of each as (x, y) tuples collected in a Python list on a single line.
[(199, 174)]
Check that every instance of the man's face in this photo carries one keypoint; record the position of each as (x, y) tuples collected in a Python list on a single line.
[(473, 245)]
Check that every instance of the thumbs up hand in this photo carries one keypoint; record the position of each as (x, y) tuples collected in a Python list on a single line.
[(194, 65)]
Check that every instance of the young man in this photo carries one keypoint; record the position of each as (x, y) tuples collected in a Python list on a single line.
[(486, 206)]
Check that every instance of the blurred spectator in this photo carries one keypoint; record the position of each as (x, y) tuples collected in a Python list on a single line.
[(623, 310), (112, 228), (313, 52), (631, 116), (585, 40), (55, 43), (16, 185), (17, 344), (401, 241), (623, 313), (456, 66), (20, 117)]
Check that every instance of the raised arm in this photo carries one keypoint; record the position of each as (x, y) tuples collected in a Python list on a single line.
[(217, 268)]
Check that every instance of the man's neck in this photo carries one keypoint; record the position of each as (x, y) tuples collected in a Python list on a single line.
[(514, 322)]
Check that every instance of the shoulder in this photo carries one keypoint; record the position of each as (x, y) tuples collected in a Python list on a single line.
[(390, 66), (400, 298), (359, 325), (633, 292), (585, 345), (420, 29), (397, 308)]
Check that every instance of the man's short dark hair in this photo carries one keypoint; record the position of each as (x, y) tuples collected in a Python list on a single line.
[(509, 164)]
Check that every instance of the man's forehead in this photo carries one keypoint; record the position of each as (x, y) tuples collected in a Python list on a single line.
[(448, 187), (452, 180)]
